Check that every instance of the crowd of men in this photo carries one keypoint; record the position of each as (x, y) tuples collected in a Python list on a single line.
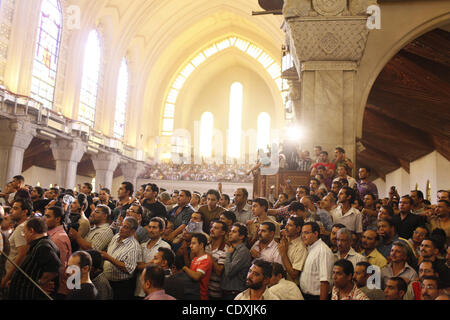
[(199, 172), (327, 241)]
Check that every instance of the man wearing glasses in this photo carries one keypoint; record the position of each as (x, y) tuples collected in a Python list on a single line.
[(315, 280), (99, 237)]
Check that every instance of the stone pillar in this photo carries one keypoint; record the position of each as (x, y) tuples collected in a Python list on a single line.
[(327, 40), (131, 170), (15, 137), (67, 154), (105, 163)]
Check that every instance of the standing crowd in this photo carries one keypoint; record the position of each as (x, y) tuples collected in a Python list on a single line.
[(333, 239)]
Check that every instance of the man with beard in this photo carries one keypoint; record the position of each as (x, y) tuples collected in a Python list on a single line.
[(369, 241), (266, 247), (155, 229), (258, 279), (442, 218), (429, 251)]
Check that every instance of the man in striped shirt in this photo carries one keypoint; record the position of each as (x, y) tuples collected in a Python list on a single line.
[(98, 237), (121, 260)]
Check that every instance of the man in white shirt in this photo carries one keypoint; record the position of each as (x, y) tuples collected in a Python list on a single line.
[(258, 279), (345, 251), (342, 174), (266, 247), (156, 227), (345, 213), (315, 280), (282, 288)]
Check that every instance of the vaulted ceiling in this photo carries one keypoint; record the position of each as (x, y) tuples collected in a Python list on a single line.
[(408, 110)]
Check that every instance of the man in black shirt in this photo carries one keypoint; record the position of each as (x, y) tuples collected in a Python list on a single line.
[(153, 208), (41, 263), (406, 222), (79, 265)]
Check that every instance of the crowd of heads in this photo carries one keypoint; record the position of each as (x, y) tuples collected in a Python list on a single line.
[(350, 221)]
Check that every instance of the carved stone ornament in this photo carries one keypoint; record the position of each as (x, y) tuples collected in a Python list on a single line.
[(329, 7)]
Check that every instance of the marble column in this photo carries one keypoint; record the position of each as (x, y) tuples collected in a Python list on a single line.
[(131, 171), (105, 163), (327, 40), (15, 137), (67, 154)]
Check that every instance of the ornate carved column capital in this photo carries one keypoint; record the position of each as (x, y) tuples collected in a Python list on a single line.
[(105, 161), (68, 150), (16, 133), (326, 30)]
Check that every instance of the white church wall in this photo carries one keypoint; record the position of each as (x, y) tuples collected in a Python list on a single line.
[(46, 177), (433, 168), (381, 186), (400, 179)]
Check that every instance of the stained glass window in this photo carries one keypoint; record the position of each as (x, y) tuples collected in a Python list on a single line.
[(235, 121), (121, 101), (89, 84), (43, 80), (206, 134)]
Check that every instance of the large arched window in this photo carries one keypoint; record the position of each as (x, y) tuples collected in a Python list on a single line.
[(206, 134), (263, 131), (235, 121), (89, 82), (43, 79), (121, 101)]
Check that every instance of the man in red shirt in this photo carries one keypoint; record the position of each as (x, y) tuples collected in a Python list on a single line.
[(323, 161), (201, 265)]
